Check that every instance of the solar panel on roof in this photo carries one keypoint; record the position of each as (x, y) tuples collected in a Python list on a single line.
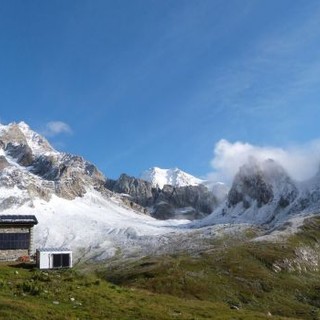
[(23, 219), (52, 249)]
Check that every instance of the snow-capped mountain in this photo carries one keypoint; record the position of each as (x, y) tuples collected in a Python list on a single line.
[(21, 134), (187, 202), (77, 206), (69, 198), (175, 177), (29, 163), (263, 193)]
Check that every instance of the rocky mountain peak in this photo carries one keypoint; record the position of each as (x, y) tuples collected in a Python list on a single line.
[(36, 142), (12, 134), (262, 193), (250, 185), (19, 138), (30, 165), (169, 202), (262, 183)]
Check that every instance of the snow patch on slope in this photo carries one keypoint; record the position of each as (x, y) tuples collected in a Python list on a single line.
[(93, 224)]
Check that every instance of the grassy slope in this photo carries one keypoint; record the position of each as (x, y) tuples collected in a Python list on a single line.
[(240, 274), (233, 274), (31, 294)]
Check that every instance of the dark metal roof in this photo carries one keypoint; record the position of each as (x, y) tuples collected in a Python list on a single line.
[(18, 219)]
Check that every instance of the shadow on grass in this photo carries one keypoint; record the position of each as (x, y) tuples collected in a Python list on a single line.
[(23, 265)]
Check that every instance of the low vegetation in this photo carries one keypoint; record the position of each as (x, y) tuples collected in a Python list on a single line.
[(33, 294), (242, 280), (280, 278)]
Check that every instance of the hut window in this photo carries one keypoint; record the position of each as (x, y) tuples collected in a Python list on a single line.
[(11, 241)]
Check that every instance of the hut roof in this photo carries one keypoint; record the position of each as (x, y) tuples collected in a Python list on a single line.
[(18, 219)]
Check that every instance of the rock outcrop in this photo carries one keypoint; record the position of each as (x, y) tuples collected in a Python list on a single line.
[(259, 184), (140, 191), (188, 202), (37, 170), (261, 193)]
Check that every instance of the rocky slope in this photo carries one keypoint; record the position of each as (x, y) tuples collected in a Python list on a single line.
[(69, 198), (31, 168), (78, 207), (29, 164), (263, 193), (184, 202)]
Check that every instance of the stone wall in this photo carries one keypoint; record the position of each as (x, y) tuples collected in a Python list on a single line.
[(11, 255)]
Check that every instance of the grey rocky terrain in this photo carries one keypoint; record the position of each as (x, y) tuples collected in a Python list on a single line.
[(30, 165), (187, 202), (263, 193)]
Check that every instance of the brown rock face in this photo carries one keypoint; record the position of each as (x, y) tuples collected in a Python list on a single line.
[(46, 171), (14, 135)]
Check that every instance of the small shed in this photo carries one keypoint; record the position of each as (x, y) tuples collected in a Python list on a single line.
[(16, 236), (54, 258)]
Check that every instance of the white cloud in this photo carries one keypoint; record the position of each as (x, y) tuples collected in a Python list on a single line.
[(301, 162), (54, 128)]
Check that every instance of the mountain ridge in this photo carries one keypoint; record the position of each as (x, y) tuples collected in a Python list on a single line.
[(78, 206), (170, 202), (264, 194)]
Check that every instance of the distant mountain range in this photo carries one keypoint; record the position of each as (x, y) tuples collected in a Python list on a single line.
[(168, 202), (77, 206)]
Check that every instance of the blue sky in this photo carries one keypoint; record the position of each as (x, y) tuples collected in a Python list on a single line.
[(135, 84)]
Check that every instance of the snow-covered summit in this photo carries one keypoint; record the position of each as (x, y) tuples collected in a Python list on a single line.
[(29, 164), (21, 134), (175, 177)]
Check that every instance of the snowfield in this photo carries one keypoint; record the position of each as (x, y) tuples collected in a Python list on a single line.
[(93, 225), (97, 228)]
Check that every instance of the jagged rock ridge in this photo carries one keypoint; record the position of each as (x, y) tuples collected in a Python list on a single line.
[(31, 168), (68, 194), (188, 202), (29, 164), (263, 193)]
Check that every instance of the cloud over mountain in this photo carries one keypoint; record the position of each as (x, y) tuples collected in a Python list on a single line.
[(300, 161)]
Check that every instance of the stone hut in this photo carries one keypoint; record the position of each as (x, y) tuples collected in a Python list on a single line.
[(16, 236)]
